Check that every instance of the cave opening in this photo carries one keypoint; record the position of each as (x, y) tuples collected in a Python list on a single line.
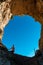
[(24, 33)]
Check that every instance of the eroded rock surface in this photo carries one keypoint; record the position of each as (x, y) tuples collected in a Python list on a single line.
[(5, 15), (33, 8)]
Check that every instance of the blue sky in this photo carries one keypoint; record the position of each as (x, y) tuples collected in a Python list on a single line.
[(24, 33)]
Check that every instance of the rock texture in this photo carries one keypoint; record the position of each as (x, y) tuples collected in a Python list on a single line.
[(41, 40), (9, 58), (5, 15), (33, 8)]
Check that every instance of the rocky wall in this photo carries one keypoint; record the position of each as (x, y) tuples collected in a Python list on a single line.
[(33, 8)]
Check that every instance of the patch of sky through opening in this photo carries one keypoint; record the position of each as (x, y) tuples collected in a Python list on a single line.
[(24, 33)]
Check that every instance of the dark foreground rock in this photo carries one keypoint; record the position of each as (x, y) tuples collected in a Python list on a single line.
[(10, 58)]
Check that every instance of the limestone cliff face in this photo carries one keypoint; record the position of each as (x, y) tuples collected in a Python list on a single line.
[(33, 8)]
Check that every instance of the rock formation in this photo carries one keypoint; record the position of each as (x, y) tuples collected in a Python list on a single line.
[(5, 15), (33, 8), (41, 40), (9, 58)]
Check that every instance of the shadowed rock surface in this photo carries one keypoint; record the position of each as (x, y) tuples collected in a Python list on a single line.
[(33, 8), (9, 58)]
